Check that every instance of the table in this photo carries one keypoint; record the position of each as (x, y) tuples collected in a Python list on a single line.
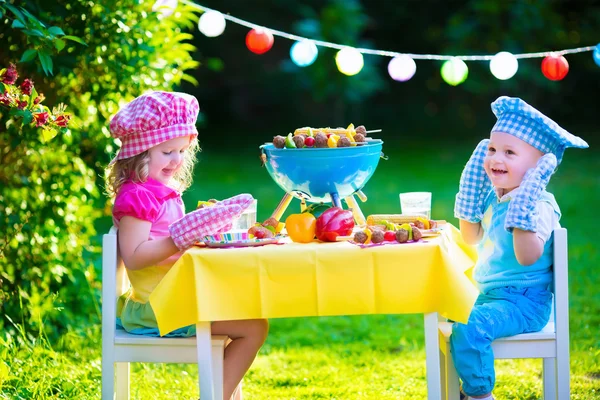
[(317, 279)]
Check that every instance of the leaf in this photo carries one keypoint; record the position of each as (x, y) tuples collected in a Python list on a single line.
[(46, 62), (2, 88), (48, 134), (27, 117), (75, 39), (32, 97), (32, 18), (17, 13), (17, 24), (59, 44), (34, 32), (28, 55), (190, 79), (55, 30)]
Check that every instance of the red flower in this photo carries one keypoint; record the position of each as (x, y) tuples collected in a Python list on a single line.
[(40, 118), (4, 100), (39, 99), (63, 120), (10, 75), (27, 86), (21, 104)]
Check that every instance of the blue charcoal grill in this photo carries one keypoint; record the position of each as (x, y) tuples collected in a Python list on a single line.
[(323, 174)]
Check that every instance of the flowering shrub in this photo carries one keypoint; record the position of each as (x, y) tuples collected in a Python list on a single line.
[(25, 105)]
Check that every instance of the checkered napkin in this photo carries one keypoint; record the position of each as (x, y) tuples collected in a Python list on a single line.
[(193, 226), (522, 211), (474, 186)]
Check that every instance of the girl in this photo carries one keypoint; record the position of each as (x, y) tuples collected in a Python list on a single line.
[(146, 178), (503, 206)]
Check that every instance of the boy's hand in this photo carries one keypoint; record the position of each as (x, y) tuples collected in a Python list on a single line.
[(522, 211), (474, 186), (193, 226)]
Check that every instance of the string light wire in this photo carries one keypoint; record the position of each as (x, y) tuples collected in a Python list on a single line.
[(385, 53)]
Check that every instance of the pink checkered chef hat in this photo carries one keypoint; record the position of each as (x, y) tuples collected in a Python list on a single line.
[(151, 119)]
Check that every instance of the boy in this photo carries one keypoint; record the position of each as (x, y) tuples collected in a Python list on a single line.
[(504, 208)]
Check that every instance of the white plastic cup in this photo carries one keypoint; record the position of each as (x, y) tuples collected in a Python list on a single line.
[(416, 203), (247, 219)]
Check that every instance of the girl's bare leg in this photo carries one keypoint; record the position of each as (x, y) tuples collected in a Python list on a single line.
[(247, 337)]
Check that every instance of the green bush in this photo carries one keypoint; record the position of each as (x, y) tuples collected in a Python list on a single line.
[(51, 193)]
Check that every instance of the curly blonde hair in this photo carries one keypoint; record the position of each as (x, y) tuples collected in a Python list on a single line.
[(136, 169)]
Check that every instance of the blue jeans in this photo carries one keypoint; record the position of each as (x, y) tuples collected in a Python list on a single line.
[(501, 312)]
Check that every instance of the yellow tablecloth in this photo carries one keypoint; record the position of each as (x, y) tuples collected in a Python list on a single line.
[(317, 279)]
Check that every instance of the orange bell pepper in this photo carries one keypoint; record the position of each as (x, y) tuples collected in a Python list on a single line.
[(301, 227)]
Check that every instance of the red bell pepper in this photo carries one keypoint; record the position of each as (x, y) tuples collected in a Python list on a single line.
[(334, 222)]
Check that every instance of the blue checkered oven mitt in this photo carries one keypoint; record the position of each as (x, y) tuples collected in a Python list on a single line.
[(522, 211), (474, 186)]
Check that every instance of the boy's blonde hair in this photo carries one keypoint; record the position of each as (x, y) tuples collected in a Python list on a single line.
[(136, 169)]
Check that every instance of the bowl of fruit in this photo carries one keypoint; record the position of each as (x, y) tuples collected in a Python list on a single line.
[(317, 164)]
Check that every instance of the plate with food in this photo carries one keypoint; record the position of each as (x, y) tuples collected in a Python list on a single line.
[(237, 239)]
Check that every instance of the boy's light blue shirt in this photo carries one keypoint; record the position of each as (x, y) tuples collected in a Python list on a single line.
[(497, 264)]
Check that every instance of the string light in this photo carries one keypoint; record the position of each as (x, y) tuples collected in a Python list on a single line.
[(304, 53), (454, 71), (507, 64), (211, 23), (504, 65)]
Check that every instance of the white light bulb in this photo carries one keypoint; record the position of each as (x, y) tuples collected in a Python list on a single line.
[(402, 68), (165, 7), (349, 61), (304, 53), (211, 23), (504, 65)]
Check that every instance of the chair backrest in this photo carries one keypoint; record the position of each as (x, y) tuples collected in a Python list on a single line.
[(114, 283)]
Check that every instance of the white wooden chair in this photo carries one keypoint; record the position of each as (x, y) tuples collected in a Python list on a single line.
[(551, 343), (119, 348)]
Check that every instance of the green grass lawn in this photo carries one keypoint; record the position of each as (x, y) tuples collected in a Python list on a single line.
[(359, 357)]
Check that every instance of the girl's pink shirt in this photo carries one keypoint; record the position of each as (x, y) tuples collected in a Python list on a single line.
[(159, 204)]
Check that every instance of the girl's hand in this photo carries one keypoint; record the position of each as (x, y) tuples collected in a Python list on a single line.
[(474, 187), (192, 227), (522, 211)]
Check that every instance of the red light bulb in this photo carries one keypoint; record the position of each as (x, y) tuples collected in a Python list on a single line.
[(259, 41)]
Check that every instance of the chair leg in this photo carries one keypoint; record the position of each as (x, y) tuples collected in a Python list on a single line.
[(206, 357), (444, 391), (237, 395), (122, 380), (549, 378), (453, 386), (432, 353), (562, 377), (108, 378)]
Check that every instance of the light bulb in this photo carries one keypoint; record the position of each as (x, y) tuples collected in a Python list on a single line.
[(304, 53), (454, 71), (211, 23), (349, 61), (402, 68), (165, 7), (504, 65)]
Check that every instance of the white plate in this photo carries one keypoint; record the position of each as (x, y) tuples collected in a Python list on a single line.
[(242, 243)]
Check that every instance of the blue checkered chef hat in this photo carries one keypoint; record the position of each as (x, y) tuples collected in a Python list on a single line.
[(519, 119)]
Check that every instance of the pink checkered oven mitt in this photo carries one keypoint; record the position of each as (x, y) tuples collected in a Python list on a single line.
[(193, 226), (243, 200)]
